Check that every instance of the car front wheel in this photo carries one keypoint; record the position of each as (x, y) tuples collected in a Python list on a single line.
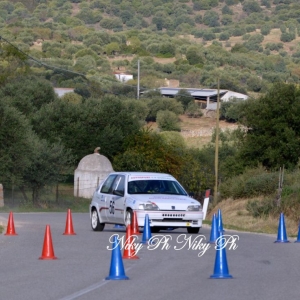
[(155, 229), (193, 229), (128, 216), (95, 223)]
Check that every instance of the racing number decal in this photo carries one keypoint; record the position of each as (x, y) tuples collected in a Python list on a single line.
[(112, 207)]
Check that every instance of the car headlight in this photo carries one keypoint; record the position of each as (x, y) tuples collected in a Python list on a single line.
[(148, 206), (193, 207)]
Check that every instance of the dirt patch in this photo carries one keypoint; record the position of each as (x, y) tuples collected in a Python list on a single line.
[(75, 9), (197, 132), (203, 126)]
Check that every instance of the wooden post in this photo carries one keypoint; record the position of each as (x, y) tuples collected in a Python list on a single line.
[(1, 196), (77, 187), (217, 147)]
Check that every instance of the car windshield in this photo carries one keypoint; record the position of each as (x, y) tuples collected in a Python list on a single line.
[(155, 187)]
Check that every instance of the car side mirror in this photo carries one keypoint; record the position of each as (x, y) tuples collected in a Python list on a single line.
[(118, 193)]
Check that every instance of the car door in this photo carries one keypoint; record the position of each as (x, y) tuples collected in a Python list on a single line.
[(117, 200), (105, 198)]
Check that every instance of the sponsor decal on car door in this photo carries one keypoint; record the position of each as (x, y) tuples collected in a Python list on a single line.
[(105, 198), (116, 201)]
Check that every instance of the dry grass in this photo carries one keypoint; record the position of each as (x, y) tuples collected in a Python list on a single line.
[(235, 216), (198, 131)]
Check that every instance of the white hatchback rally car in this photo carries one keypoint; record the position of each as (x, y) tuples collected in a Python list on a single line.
[(159, 195)]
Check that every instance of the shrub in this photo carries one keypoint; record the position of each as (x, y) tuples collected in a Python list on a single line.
[(193, 110), (252, 183), (260, 208), (155, 104), (263, 184), (167, 121)]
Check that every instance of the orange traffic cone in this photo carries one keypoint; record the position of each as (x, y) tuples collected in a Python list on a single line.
[(48, 252), (69, 224), (10, 225), (129, 249), (134, 224)]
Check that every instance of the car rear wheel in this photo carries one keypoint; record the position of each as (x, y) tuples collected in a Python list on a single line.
[(95, 222), (193, 229)]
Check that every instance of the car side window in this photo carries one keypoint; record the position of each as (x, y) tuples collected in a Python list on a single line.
[(119, 184), (107, 185)]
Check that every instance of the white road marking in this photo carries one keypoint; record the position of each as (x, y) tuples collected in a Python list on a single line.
[(89, 289)]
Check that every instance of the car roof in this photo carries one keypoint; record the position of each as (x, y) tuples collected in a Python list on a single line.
[(145, 175)]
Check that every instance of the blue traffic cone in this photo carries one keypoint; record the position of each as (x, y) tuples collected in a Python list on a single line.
[(281, 235), (221, 268), (220, 222), (298, 237), (214, 230), (147, 231), (116, 265)]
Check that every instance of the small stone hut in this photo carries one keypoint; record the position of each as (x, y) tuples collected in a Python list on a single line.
[(91, 170)]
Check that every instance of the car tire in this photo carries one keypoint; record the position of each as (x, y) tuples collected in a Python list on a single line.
[(193, 229), (95, 222), (128, 216), (155, 229)]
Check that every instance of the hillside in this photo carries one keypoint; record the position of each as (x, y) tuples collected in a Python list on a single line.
[(250, 44), (197, 132)]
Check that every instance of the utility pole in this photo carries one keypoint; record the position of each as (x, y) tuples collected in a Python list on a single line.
[(138, 81), (217, 146)]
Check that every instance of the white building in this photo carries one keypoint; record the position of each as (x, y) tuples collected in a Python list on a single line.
[(62, 91), (208, 97), (123, 77), (91, 170)]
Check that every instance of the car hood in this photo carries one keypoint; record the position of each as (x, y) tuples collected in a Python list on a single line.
[(167, 202)]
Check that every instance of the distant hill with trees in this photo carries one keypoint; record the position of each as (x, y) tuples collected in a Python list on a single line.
[(251, 46), (248, 44)]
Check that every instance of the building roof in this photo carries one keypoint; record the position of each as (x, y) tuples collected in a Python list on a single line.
[(198, 94), (95, 162)]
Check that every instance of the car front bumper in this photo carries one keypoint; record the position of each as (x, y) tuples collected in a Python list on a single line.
[(170, 218)]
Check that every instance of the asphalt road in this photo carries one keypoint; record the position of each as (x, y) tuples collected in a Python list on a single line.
[(261, 269)]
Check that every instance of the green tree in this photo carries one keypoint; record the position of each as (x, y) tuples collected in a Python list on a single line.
[(167, 121), (226, 20), (85, 64), (48, 162), (273, 126), (196, 174), (184, 97), (148, 151), (211, 18), (251, 6), (231, 110), (173, 139), (81, 127), (226, 10), (156, 104), (12, 62), (16, 144), (194, 56), (28, 94), (138, 108), (112, 48), (193, 110), (265, 29), (89, 16)]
